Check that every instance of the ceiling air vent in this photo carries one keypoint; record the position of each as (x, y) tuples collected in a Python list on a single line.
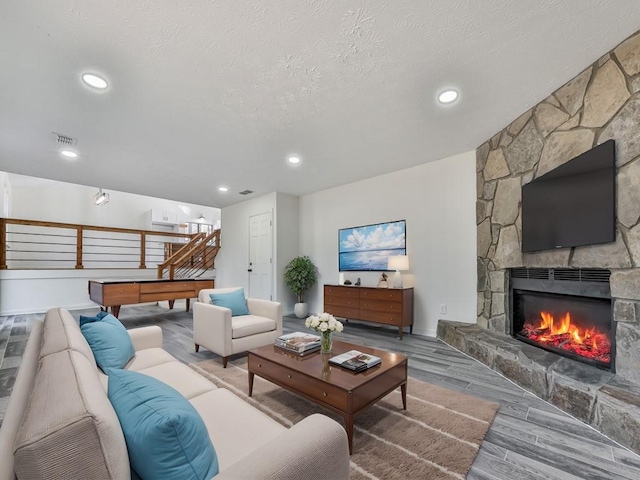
[(246, 192), (64, 139)]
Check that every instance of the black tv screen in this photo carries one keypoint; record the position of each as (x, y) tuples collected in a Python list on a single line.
[(572, 205)]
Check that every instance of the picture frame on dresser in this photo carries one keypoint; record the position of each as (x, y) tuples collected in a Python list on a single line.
[(366, 248)]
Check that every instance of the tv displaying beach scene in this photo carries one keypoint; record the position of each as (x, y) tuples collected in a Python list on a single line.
[(367, 248)]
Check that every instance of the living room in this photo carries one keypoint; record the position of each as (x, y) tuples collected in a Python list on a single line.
[(446, 190)]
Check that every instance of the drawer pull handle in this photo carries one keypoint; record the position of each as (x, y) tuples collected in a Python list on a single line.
[(288, 375), (324, 393), (259, 365)]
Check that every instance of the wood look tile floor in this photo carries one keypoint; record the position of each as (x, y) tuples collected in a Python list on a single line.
[(529, 439)]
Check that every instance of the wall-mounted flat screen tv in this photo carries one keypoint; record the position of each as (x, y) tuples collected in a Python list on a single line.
[(368, 247), (572, 205)]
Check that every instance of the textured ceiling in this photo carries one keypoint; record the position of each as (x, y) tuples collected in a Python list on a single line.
[(206, 93)]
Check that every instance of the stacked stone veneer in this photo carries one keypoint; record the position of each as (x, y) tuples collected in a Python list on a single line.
[(601, 103)]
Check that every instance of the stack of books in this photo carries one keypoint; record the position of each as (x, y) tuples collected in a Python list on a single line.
[(299, 342), (355, 360)]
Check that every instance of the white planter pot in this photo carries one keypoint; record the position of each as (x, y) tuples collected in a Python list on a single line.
[(301, 310)]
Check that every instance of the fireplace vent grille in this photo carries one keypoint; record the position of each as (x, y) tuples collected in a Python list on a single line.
[(563, 274)]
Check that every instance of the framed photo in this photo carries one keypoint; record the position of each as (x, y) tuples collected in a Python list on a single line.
[(367, 248)]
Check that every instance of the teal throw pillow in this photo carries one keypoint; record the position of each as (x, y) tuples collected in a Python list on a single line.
[(166, 437), (109, 341), (233, 300), (86, 319)]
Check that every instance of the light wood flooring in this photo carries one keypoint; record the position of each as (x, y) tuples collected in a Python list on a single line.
[(529, 439)]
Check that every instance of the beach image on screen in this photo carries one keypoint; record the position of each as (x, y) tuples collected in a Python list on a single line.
[(368, 247)]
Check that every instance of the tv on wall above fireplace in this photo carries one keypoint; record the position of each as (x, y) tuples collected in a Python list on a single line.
[(572, 205), (367, 248)]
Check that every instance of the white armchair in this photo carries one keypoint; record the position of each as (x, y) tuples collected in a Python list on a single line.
[(215, 329)]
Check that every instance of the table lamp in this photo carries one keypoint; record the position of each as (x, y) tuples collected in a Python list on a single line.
[(398, 263)]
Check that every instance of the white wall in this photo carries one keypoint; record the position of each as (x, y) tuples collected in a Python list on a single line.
[(49, 200), (437, 199)]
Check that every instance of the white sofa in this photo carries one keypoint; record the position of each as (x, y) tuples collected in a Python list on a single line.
[(215, 329), (59, 422)]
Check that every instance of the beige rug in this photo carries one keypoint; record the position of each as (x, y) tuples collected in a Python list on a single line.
[(437, 437)]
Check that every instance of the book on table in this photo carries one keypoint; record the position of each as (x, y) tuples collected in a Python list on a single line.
[(298, 342), (355, 360)]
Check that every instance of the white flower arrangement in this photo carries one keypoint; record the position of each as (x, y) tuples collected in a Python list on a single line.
[(325, 322)]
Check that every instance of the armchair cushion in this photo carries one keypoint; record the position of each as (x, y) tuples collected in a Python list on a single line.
[(235, 301), (246, 325)]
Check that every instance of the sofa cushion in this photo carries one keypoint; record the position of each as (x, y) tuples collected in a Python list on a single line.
[(69, 429), (166, 437), (228, 419), (247, 325), (110, 343), (177, 375), (235, 301), (61, 332)]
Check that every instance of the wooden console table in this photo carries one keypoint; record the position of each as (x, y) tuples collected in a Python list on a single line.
[(389, 306), (115, 293)]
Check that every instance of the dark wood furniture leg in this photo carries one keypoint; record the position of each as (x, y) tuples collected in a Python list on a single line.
[(411, 329), (188, 303), (401, 330), (115, 310), (171, 302), (197, 347), (348, 426), (224, 362), (251, 374), (403, 391)]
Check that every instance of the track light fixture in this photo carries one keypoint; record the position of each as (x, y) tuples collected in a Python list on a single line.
[(101, 198)]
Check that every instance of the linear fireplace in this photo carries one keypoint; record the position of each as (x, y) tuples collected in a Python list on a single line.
[(566, 311)]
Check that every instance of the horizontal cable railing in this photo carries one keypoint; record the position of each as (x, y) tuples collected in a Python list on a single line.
[(33, 244)]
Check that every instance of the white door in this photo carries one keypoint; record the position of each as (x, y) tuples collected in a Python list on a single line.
[(260, 259)]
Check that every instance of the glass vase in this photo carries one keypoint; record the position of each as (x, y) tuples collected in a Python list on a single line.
[(325, 341)]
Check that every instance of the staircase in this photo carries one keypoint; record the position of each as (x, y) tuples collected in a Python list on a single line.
[(194, 259)]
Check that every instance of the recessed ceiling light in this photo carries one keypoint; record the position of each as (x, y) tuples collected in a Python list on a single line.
[(448, 96), (293, 160), (223, 189), (94, 81), (69, 154)]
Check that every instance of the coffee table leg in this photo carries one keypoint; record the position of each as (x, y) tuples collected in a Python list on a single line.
[(403, 390), (348, 426), (250, 383)]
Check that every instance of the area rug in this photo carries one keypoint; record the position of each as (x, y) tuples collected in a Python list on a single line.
[(437, 437)]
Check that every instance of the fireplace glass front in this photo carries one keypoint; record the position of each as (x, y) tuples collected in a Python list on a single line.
[(578, 327)]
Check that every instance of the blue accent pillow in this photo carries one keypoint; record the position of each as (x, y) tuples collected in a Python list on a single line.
[(86, 319), (234, 300), (166, 437), (109, 341)]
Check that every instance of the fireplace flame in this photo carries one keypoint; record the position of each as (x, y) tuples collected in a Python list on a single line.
[(564, 334)]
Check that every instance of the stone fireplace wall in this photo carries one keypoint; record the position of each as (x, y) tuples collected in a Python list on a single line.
[(601, 103)]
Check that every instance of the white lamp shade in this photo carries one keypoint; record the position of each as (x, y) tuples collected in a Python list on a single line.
[(398, 262)]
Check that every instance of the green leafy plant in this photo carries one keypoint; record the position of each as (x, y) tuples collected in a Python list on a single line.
[(300, 275)]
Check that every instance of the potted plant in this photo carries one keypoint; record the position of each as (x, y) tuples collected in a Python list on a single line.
[(300, 275)]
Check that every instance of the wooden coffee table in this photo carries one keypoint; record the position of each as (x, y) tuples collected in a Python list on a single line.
[(332, 387)]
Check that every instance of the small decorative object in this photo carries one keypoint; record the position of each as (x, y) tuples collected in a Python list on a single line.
[(326, 324), (382, 283), (347, 282), (357, 284)]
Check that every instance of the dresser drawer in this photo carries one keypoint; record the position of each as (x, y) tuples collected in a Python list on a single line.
[(159, 287), (120, 294), (337, 291), (381, 317), (298, 382), (344, 312), (380, 306), (341, 301), (160, 296), (381, 294)]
